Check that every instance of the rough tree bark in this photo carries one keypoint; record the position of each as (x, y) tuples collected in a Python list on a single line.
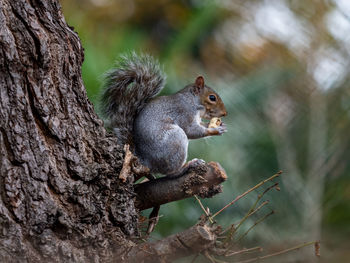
[(60, 196)]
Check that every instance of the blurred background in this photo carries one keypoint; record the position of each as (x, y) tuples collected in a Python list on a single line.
[(282, 69)]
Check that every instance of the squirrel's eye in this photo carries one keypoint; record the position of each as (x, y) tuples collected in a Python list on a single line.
[(212, 97)]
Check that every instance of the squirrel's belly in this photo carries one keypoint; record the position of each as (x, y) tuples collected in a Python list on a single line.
[(164, 152)]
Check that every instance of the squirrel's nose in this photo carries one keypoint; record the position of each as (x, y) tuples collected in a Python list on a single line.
[(224, 113)]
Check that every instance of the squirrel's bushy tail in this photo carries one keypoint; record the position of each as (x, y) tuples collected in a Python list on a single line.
[(134, 80)]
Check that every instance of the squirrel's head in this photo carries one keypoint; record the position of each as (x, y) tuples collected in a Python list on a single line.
[(213, 104)]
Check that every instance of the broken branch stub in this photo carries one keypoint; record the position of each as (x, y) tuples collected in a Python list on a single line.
[(203, 180)]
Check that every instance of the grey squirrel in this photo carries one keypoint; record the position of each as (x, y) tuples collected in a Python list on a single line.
[(157, 128)]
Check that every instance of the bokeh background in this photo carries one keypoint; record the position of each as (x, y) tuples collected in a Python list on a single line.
[(282, 69)]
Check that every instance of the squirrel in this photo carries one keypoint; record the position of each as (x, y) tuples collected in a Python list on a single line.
[(157, 128)]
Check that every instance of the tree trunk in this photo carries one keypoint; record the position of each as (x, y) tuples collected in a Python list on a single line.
[(61, 197), (59, 189)]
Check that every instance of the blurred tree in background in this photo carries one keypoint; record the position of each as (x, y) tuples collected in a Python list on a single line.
[(282, 68)]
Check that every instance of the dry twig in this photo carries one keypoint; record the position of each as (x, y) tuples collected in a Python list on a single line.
[(278, 253), (247, 250), (247, 192), (256, 223), (205, 211)]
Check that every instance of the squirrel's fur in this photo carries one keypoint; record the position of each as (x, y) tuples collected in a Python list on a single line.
[(134, 80), (158, 129)]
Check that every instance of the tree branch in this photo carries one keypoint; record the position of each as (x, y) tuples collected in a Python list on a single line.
[(191, 241), (201, 179)]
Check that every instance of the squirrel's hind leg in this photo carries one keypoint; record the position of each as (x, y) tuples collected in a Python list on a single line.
[(171, 151)]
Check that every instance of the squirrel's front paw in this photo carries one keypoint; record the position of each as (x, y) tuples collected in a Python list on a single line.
[(218, 130)]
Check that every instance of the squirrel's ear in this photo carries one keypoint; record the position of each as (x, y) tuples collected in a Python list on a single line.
[(199, 84)]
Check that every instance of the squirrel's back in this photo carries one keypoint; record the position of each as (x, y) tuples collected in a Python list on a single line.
[(128, 87)]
